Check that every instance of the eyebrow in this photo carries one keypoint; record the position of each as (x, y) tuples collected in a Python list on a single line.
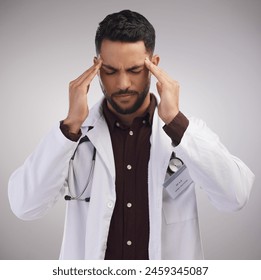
[(135, 67)]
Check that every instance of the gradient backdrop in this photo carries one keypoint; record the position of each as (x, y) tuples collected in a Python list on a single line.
[(212, 47)]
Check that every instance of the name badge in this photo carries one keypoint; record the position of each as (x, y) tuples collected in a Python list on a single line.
[(178, 182)]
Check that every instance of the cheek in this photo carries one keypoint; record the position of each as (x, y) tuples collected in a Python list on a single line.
[(106, 81), (143, 78)]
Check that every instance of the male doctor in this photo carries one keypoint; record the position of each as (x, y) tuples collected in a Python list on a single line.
[(129, 165)]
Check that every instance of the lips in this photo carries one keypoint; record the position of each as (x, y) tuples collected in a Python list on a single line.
[(124, 94)]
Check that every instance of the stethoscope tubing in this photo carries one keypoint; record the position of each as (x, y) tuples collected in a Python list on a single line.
[(71, 196)]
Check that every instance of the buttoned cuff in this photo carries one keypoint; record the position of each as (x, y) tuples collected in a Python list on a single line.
[(176, 128), (69, 135)]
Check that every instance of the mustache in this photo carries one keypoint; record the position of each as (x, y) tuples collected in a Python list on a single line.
[(125, 91)]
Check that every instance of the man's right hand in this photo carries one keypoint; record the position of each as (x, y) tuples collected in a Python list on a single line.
[(78, 105)]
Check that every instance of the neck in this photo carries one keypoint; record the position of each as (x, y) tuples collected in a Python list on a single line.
[(128, 118)]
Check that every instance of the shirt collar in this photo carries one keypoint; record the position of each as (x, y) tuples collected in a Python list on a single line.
[(112, 119)]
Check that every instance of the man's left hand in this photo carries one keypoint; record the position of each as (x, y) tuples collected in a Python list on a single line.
[(168, 90)]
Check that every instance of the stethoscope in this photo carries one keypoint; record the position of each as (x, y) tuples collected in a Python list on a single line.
[(79, 197), (174, 165)]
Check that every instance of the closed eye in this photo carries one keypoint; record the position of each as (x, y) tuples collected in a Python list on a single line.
[(110, 73), (135, 71), (109, 70), (130, 71)]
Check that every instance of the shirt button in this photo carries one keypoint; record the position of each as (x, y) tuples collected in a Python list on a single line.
[(130, 132), (129, 243), (117, 124), (129, 205), (110, 204), (129, 167), (144, 121)]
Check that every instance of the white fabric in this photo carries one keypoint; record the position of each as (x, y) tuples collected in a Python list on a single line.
[(174, 227)]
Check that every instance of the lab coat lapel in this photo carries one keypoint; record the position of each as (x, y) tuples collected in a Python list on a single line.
[(99, 135), (159, 158)]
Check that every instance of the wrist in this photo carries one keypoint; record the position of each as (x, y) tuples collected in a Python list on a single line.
[(66, 130), (73, 126), (167, 119), (176, 128)]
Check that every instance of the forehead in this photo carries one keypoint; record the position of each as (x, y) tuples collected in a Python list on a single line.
[(117, 53)]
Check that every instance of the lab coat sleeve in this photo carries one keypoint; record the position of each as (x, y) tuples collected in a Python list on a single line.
[(225, 178), (39, 182)]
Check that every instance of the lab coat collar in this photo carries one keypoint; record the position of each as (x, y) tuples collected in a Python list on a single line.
[(95, 115)]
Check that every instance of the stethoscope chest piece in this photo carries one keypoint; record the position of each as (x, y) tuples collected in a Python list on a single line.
[(174, 164)]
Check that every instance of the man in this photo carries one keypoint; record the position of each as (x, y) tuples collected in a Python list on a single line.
[(132, 162)]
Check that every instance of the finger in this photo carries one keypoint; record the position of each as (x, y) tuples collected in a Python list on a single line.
[(83, 82), (156, 71), (159, 87), (95, 67), (86, 82)]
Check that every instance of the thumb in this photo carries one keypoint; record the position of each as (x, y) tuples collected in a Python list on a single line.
[(159, 87)]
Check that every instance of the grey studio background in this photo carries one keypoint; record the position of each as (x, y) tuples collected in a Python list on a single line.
[(212, 47)]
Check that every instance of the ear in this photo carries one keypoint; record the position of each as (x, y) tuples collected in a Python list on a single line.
[(155, 59)]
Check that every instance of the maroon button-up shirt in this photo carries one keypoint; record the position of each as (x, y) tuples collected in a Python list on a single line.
[(129, 229)]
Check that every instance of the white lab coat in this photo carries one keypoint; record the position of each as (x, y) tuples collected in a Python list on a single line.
[(174, 228)]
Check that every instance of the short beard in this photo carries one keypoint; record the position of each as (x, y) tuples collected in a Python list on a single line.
[(141, 97)]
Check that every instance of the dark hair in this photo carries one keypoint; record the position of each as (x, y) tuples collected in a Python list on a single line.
[(125, 26)]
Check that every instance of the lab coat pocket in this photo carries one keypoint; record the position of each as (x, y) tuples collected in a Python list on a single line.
[(182, 208), (176, 183)]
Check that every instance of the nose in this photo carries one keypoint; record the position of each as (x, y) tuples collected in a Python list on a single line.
[(123, 81)]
